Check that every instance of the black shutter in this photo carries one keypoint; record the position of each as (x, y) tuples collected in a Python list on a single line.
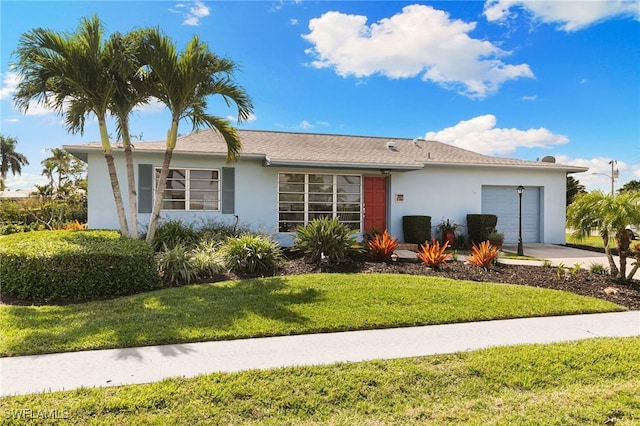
[(145, 188), (228, 196)]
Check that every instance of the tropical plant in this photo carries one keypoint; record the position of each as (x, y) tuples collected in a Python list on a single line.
[(447, 225), (433, 255), (183, 81), (175, 266), (206, 259), (574, 187), (325, 239), (609, 216), (483, 255), (381, 246), (172, 233), (251, 254), (10, 160), (72, 74), (598, 269)]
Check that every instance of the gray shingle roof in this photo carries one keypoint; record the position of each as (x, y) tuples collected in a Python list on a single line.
[(327, 150)]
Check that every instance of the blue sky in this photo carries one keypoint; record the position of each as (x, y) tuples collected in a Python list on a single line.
[(520, 79)]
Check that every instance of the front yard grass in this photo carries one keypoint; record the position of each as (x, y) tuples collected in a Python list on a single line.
[(275, 306), (591, 382)]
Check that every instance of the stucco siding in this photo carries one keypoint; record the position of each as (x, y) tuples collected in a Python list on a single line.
[(442, 192)]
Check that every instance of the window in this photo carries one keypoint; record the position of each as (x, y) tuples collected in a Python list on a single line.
[(303, 197), (191, 189)]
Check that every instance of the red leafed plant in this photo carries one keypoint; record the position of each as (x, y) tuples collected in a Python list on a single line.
[(382, 246), (483, 255), (433, 254)]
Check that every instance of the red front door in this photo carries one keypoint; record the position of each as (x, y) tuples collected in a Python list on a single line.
[(375, 203)]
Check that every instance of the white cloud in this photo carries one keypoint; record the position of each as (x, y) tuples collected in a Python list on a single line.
[(598, 177), (25, 181), (252, 117), (481, 135), (529, 98), (568, 15), (293, 21), (191, 14), (584, 81), (9, 83), (304, 124), (418, 41)]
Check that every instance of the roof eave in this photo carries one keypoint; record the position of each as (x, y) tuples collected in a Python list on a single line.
[(269, 162)]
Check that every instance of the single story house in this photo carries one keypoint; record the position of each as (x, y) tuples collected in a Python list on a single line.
[(285, 179)]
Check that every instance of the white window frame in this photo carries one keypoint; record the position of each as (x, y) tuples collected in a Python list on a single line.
[(334, 199), (187, 189)]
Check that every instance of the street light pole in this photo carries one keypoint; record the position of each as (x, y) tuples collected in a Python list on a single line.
[(520, 190), (613, 176)]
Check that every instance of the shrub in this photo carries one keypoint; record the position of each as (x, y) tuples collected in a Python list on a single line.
[(480, 226), (483, 255), (433, 254), (72, 266), (251, 254), (599, 269), (172, 233), (206, 259), (217, 232), (381, 247), (325, 239), (175, 266), (416, 229)]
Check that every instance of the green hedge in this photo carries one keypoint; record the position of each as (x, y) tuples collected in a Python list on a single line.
[(73, 266), (480, 226), (416, 229)]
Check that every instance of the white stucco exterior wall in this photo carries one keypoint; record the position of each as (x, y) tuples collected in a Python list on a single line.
[(442, 192)]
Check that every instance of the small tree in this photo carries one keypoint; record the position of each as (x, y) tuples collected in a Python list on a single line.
[(632, 185), (609, 216)]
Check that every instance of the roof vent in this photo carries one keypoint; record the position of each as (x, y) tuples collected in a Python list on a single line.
[(548, 159), (391, 145)]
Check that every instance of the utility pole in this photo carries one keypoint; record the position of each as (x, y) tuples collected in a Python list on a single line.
[(614, 174)]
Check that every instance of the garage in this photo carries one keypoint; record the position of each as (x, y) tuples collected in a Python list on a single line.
[(503, 202)]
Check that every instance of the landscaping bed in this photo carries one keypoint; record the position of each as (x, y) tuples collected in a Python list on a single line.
[(581, 282)]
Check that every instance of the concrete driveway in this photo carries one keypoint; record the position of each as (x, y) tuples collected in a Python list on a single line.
[(557, 254)]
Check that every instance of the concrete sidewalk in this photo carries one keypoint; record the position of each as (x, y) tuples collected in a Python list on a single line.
[(114, 367)]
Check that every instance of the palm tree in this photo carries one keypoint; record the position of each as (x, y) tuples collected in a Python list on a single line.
[(71, 73), (129, 93), (183, 81), (608, 215), (10, 160), (574, 187)]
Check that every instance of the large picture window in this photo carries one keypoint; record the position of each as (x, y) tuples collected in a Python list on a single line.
[(191, 189), (303, 197)]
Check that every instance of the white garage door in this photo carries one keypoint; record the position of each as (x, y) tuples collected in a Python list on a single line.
[(503, 201)]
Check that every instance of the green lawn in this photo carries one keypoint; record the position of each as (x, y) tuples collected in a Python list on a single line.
[(275, 306), (592, 240), (592, 382)]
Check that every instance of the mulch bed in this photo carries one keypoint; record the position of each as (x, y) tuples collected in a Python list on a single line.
[(580, 282)]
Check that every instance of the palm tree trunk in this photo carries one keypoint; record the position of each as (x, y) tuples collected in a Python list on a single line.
[(607, 250), (131, 181), (157, 199), (113, 177)]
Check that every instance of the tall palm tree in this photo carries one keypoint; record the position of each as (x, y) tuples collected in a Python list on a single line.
[(71, 73), (129, 93), (183, 81), (608, 215), (10, 160)]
